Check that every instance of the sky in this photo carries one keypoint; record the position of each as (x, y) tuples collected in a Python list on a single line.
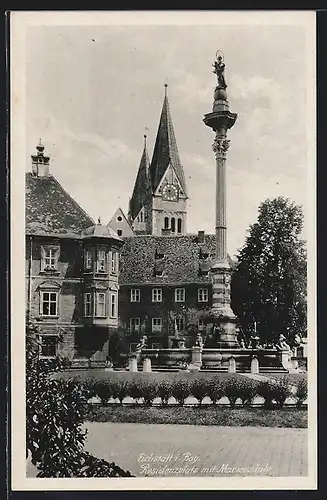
[(93, 91)]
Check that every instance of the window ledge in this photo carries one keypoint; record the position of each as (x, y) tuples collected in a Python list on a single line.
[(52, 272), (49, 316)]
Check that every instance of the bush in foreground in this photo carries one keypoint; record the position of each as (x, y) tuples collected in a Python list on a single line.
[(301, 392)]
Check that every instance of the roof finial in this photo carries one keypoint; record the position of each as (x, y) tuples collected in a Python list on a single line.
[(40, 147), (166, 86), (99, 220)]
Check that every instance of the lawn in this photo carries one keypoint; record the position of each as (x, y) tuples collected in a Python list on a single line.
[(254, 417)]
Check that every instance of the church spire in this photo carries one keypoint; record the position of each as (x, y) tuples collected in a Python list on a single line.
[(165, 150), (142, 184)]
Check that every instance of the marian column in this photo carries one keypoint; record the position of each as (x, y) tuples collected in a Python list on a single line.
[(220, 120)]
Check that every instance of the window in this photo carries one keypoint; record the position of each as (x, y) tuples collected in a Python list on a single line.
[(49, 303), (87, 304), (179, 294), (113, 305), (119, 218), (201, 324), (156, 324), (179, 324), (135, 295), (100, 305), (166, 223), (203, 294), (88, 259), (101, 264), (49, 258), (141, 216), (48, 347), (156, 294), (179, 226), (173, 224), (114, 262), (134, 324), (119, 232)]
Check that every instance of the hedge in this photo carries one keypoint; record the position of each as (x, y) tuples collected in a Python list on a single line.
[(234, 387)]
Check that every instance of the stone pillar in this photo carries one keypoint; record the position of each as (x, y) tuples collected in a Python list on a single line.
[(231, 365), (254, 365), (196, 356), (133, 365), (147, 365)]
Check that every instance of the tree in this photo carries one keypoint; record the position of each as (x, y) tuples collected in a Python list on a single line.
[(269, 280)]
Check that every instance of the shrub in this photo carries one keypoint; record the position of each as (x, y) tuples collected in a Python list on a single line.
[(301, 393), (232, 389), (149, 390), (95, 467), (281, 391), (199, 389), (165, 391), (119, 389), (104, 390), (134, 389), (215, 389), (266, 389), (248, 389), (181, 390)]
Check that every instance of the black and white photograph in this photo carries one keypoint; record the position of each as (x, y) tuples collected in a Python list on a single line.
[(163, 236)]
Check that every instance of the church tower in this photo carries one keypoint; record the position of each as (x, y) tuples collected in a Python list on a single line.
[(169, 194), (158, 202)]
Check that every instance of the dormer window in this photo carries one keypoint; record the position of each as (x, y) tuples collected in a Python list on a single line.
[(50, 257), (101, 261)]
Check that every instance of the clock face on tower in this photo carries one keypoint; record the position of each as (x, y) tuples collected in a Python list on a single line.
[(170, 193)]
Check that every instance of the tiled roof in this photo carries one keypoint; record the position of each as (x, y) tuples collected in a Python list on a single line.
[(141, 186), (178, 256), (50, 210), (165, 151)]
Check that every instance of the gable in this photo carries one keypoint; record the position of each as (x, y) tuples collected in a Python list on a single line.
[(169, 177)]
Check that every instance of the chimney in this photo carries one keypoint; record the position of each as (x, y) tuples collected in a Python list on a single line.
[(165, 232), (40, 163), (200, 236)]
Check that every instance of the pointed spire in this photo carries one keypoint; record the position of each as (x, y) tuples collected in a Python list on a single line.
[(142, 184), (165, 149)]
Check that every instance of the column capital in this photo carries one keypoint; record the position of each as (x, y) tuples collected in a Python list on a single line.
[(220, 146)]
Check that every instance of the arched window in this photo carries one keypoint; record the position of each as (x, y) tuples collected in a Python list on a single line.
[(172, 225), (179, 226), (166, 223)]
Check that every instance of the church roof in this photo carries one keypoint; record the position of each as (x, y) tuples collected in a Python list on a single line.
[(165, 150), (141, 186), (166, 260), (50, 210)]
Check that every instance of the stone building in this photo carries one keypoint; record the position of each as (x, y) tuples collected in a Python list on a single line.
[(72, 267)]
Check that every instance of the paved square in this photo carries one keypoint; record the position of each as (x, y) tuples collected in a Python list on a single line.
[(181, 450)]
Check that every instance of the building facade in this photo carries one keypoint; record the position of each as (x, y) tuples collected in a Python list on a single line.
[(72, 269)]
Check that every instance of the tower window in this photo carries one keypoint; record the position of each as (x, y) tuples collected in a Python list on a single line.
[(101, 264), (173, 225), (179, 226), (88, 259), (100, 305), (166, 223), (119, 232), (113, 305), (87, 304)]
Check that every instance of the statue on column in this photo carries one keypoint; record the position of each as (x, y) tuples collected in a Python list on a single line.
[(219, 70)]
